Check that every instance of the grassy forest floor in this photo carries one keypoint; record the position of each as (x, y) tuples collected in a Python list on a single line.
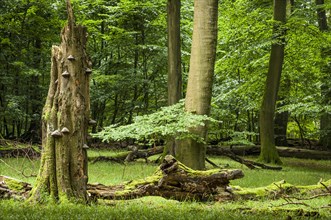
[(295, 171)]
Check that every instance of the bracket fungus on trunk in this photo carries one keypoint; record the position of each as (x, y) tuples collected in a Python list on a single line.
[(66, 74), (56, 134), (71, 57)]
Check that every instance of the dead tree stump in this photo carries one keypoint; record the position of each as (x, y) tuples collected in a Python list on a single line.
[(63, 172)]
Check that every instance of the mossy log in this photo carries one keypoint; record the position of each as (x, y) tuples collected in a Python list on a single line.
[(13, 188), (9, 148), (173, 180), (285, 190), (283, 152)]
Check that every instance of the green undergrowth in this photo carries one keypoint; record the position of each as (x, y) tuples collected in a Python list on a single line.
[(298, 172), (159, 208)]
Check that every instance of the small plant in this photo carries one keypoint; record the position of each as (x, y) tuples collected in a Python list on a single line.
[(171, 121), (240, 138)]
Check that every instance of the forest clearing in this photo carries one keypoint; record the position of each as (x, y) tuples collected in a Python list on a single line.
[(299, 172), (171, 109)]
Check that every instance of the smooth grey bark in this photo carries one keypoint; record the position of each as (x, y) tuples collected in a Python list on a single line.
[(200, 80), (174, 62)]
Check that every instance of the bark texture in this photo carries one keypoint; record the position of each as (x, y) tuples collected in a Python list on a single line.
[(200, 80), (267, 112), (63, 172), (325, 127), (174, 62)]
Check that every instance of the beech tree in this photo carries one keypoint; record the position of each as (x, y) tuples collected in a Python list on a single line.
[(325, 128), (267, 112), (63, 172), (174, 60), (200, 80)]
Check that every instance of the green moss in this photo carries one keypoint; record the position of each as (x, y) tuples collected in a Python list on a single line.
[(46, 116), (311, 188), (148, 180), (14, 185), (277, 188)]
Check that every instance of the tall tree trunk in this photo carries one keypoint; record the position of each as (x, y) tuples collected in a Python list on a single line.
[(281, 121), (325, 121), (174, 62), (267, 112), (281, 118), (63, 172), (200, 80)]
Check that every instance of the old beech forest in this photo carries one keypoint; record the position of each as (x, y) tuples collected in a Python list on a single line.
[(181, 81), (127, 44)]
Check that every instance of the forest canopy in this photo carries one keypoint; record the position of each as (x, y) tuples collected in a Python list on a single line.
[(128, 48)]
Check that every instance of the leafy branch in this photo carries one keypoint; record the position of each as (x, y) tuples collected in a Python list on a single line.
[(171, 121)]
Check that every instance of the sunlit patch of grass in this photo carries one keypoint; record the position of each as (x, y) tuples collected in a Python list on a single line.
[(93, 153), (295, 171), (21, 168), (114, 173)]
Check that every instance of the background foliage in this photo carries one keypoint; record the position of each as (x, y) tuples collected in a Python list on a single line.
[(127, 43)]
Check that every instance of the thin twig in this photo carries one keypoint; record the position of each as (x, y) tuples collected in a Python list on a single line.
[(212, 163), (325, 186), (309, 198), (293, 203)]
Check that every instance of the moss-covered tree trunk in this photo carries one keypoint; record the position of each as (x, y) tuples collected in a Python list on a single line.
[(200, 80), (267, 112), (63, 172)]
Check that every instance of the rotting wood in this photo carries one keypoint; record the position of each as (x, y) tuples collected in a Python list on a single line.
[(173, 180), (284, 190), (63, 165), (163, 183), (250, 164), (11, 188)]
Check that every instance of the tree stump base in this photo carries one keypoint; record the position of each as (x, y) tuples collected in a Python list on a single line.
[(173, 180)]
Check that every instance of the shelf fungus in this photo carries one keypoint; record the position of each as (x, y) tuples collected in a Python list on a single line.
[(56, 134), (92, 122), (66, 74), (71, 58), (85, 146), (65, 130), (88, 71)]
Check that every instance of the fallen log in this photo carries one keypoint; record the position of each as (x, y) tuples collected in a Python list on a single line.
[(10, 148), (173, 180), (284, 190), (248, 163), (13, 188), (283, 152), (130, 155), (137, 154)]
